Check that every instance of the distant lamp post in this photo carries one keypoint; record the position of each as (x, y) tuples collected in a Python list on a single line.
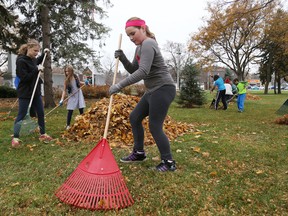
[(178, 71)]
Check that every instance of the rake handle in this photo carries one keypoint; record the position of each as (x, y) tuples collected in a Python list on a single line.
[(111, 97), (35, 86), (12, 106), (64, 100)]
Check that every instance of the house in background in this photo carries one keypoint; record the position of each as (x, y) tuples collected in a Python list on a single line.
[(58, 75)]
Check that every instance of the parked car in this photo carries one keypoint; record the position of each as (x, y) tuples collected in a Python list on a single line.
[(254, 88)]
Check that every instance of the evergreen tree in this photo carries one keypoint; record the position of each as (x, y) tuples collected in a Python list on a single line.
[(8, 24), (191, 95), (228, 74), (62, 26)]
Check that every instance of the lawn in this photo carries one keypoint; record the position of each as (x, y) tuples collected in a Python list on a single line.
[(234, 164)]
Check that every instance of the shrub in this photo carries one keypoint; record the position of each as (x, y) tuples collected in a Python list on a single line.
[(140, 89), (136, 90), (95, 91), (7, 92), (127, 90)]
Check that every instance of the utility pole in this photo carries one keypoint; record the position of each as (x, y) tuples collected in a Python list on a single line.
[(178, 71)]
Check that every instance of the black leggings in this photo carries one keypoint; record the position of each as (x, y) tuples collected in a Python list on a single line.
[(69, 115), (221, 95), (155, 105)]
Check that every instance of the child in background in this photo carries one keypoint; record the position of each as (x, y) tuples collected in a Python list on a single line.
[(219, 84), (228, 93), (241, 87), (76, 99)]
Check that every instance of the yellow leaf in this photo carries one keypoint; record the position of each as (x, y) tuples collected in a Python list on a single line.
[(196, 149), (258, 172), (15, 184)]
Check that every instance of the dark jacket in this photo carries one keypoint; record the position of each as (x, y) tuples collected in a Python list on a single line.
[(27, 71)]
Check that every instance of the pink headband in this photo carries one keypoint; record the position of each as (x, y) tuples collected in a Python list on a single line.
[(135, 23)]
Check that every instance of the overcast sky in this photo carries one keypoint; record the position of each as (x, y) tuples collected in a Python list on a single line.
[(168, 20)]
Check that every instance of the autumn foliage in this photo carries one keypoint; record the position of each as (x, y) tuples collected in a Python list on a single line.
[(89, 127), (282, 120), (252, 97)]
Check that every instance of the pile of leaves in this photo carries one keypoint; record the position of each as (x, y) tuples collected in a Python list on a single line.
[(252, 97), (90, 126), (282, 120)]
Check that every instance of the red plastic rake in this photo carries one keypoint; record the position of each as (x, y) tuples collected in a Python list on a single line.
[(97, 182)]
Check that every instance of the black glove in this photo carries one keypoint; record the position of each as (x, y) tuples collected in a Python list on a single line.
[(119, 54)]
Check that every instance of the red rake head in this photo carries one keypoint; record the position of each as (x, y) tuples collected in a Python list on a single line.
[(97, 182)]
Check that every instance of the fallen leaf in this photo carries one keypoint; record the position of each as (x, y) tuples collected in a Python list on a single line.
[(258, 172), (196, 149), (15, 184), (205, 154), (156, 158), (213, 174)]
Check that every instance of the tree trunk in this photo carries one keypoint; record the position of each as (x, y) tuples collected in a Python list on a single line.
[(48, 82), (278, 83)]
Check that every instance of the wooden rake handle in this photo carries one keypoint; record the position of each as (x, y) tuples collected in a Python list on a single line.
[(111, 97)]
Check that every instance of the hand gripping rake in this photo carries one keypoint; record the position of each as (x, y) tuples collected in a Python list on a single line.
[(97, 183), (27, 125)]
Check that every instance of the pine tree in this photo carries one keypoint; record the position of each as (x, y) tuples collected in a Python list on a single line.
[(62, 26), (191, 95)]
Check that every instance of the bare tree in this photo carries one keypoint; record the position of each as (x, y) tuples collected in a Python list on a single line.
[(177, 58)]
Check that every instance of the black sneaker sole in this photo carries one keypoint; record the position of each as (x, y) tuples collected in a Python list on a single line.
[(159, 171)]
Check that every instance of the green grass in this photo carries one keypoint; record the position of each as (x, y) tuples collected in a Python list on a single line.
[(237, 165)]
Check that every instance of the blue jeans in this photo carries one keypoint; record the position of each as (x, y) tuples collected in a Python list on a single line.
[(240, 101), (37, 105)]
